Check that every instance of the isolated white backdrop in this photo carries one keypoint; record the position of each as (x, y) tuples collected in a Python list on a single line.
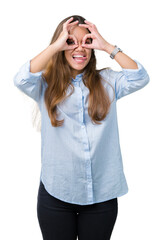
[(26, 30)]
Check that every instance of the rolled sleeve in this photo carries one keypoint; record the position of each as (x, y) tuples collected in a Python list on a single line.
[(28, 82), (128, 81)]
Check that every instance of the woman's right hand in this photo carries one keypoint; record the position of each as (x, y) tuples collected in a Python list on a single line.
[(61, 43)]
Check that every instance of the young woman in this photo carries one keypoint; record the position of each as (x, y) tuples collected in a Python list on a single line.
[(81, 164)]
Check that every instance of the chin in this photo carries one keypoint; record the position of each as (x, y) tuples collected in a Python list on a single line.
[(78, 67)]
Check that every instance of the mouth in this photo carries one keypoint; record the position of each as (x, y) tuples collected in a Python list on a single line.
[(79, 58)]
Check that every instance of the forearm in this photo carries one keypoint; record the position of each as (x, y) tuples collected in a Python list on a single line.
[(39, 62), (122, 59)]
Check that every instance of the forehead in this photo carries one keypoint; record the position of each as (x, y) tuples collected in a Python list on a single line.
[(78, 31)]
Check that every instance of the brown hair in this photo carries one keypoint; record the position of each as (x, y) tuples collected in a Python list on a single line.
[(58, 76)]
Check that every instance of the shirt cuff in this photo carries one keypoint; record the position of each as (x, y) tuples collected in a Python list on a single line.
[(133, 74), (26, 74)]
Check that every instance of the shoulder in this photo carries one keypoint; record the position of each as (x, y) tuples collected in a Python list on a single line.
[(107, 74), (104, 71)]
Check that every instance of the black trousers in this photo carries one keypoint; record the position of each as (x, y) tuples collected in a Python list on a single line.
[(59, 220)]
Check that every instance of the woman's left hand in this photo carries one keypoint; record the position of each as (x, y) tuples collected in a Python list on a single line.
[(98, 42)]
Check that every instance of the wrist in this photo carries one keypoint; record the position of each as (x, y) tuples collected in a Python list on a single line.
[(109, 48), (54, 48)]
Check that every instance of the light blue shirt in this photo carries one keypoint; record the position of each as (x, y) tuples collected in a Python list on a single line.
[(81, 162)]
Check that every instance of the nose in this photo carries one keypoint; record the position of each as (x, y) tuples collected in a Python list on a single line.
[(80, 47)]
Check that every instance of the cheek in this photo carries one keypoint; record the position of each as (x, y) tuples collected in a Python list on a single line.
[(89, 54), (67, 56)]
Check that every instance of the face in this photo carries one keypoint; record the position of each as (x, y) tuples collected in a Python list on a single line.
[(78, 63)]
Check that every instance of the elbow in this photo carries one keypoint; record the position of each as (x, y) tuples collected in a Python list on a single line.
[(15, 80), (147, 79), (18, 80)]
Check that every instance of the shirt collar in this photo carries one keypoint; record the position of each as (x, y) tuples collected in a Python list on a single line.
[(78, 77)]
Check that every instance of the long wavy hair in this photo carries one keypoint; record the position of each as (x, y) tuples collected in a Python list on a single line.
[(58, 75)]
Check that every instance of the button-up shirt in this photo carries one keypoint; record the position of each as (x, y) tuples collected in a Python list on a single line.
[(81, 162)]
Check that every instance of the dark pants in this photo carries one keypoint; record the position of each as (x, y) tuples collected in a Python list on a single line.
[(59, 220)]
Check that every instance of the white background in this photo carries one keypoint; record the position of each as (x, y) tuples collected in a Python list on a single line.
[(26, 30)]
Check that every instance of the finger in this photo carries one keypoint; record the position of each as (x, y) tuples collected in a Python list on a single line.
[(67, 22), (86, 26), (87, 45), (73, 38), (88, 22), (90, 25), (89, 35), (72, 42), (70, 47), (85, 37), (73, 23)]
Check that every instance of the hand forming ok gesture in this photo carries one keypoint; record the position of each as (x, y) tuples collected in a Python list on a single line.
[(98, 41), (61, 42)]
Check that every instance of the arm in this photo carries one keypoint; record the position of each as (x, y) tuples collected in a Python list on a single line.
[(133, 75), (101, 44), (27, 82), (39, 62), (128, 80), (29, 77), (122, 59)]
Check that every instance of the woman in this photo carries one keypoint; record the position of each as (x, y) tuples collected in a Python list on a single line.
[(81, 164)]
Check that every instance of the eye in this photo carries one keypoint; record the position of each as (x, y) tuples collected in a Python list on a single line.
[(70, 41), (89, 40)]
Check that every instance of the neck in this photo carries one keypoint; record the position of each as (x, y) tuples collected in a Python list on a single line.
[(75, 73)]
